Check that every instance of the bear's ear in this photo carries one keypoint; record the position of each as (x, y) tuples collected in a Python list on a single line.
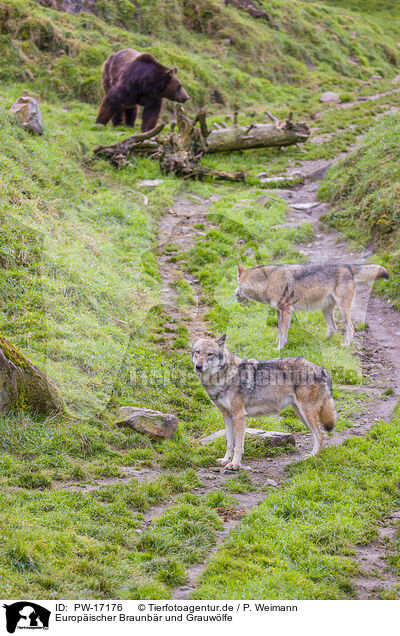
[(170, 72), (175, 70), (241, 269)]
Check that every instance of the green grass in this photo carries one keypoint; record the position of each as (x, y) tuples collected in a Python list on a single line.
[(365, 193), (72, 544), (80, 281), (299, 542)]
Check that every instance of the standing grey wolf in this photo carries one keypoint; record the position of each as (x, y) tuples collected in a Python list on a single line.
[(131, 79), (289, 288), (241, 388)]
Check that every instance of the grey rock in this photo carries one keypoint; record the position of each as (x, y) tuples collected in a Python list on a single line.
[(305, 206), (263, 199), (318, 173), (27, 111), (271, 482), (271, 438), (272, 179), (330, 97), (158, 426), (396, 80), (150, 183), (375, 78)]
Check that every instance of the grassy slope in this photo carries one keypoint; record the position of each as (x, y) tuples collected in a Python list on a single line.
[(306, 46), (80, 286), (364, 189)]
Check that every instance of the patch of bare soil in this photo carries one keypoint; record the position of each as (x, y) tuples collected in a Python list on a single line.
[(375, 578), (177, 227)]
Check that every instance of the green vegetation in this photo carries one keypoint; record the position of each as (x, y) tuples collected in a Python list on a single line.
[(81, 296), (303, 47), (298, 543), (364, 189)]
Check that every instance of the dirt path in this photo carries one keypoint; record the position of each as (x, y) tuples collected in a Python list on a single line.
[(375, 579), (177, 227)]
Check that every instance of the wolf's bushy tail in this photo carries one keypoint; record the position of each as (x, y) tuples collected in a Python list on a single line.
[(367, 273), (327, 414)]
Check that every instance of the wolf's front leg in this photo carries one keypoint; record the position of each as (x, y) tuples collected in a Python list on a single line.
[(239, 425), (229, 441)]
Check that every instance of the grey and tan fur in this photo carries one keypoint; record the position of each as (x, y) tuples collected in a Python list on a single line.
[(289, 288), (253, 388)]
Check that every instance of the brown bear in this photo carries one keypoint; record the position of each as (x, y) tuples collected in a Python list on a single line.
[(131, 79)]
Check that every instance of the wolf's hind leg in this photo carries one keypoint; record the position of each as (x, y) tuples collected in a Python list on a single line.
[(328, 310), (229, 441), (284, 320), (309, 416), (345, 303)]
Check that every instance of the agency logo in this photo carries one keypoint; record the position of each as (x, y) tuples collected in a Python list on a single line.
[(26, 615)]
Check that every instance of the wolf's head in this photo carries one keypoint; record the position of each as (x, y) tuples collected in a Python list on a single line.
[(240, 291), (209, 355)]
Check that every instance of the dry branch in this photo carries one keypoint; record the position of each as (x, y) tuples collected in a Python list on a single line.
[(182, 151), (139, 143)]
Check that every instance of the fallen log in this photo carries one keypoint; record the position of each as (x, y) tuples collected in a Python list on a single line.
[(276, 134), (180, 153), (24, 386)]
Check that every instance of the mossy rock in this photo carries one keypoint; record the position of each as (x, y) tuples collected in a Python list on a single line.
[(24, 386)]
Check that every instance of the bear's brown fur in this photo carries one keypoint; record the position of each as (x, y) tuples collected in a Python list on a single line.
[(131, 79)]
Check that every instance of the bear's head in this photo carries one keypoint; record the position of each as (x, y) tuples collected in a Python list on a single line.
[(174, 89)]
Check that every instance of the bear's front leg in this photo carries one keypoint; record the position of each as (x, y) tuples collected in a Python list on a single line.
[(151, 113)]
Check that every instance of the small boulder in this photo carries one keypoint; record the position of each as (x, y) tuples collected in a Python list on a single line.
[(27, 111), (263, 199), (375, 78), (150, 183), (330, 97), (270, 483), (307, 206), (158, 426)]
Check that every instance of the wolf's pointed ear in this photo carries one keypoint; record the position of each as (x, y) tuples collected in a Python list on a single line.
[(241, 269), (221, 341)]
